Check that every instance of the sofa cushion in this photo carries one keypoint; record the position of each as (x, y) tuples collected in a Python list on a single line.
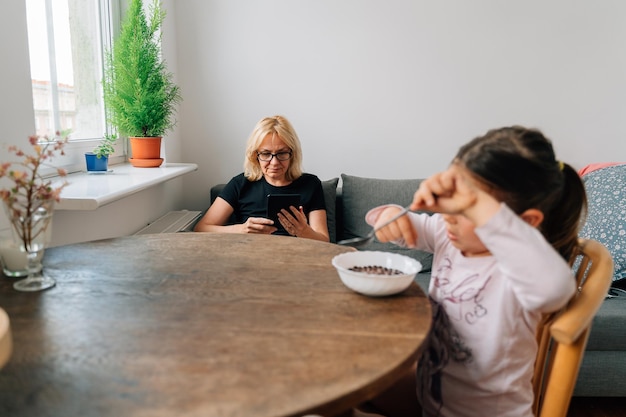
[(423, 280), (607, 330), (330, 195), (602, 375), (360, 194), (606, 219)]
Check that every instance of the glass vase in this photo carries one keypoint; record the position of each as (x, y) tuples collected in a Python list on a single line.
[(12, 257), (31, 225)]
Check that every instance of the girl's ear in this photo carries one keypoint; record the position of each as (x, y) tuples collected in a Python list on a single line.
[(533, 217)]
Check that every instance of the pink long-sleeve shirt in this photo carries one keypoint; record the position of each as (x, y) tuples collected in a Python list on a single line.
[(493, 304)]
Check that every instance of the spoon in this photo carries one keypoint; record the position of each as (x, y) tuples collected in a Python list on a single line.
[(361, 241)]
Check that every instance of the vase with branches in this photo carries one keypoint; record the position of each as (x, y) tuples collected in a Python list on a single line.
[(29, 203)]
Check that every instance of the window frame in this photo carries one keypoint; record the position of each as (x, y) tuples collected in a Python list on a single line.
[(110, 12)]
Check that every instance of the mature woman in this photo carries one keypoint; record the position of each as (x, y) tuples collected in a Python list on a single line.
[(273, 165)]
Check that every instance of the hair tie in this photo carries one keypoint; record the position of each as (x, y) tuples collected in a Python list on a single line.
[(561, 165)]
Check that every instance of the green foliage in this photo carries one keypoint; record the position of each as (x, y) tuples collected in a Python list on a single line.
[(105, 148), (139, 93)]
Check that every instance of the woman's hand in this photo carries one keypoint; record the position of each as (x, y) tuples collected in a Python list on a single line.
[(258, 225), (293, 220)]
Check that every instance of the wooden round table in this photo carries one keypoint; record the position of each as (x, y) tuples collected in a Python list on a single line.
[(202, 324)]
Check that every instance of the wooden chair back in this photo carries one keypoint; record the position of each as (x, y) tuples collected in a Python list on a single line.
[(562, 336), (6, 341)]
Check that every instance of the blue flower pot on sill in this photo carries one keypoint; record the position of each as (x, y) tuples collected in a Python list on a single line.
[(96, 164)]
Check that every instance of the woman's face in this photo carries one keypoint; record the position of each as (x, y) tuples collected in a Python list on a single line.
[(274, 170)]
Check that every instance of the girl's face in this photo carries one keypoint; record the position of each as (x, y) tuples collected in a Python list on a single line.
[(461, 234), (274, 170)]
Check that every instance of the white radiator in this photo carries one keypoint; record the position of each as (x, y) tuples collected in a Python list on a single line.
[(172, 222)]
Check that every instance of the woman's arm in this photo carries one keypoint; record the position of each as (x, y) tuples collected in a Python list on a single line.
[(318, 229), (219, 212)]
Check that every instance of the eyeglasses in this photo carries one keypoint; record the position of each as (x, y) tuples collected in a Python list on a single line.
[(267, 156)]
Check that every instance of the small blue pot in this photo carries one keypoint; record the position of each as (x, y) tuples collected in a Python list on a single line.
[(96, 164)]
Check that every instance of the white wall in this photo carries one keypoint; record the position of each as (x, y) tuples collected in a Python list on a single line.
[(391, 88), (381, 88), (121, 218), (16, 99)]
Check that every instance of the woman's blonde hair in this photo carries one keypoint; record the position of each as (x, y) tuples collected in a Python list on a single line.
[(276, 125)]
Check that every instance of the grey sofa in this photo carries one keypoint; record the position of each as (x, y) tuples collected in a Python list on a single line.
[(603, 372)]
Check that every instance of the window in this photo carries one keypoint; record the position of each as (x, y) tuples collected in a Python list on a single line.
[(66, 40)]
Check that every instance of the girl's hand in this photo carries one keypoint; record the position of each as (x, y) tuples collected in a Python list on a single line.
[(294, 221), (399, 229), (258, 225), (456, 191), (452, 191)]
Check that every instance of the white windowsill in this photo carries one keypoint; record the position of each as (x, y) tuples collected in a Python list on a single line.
[(90, 191)]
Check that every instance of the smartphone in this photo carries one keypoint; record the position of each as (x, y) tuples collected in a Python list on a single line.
[(276, 202)]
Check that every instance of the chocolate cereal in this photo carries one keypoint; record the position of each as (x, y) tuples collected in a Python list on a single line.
[(376, 270)]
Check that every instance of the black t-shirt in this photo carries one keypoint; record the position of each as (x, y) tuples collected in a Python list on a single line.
[(249, 198)]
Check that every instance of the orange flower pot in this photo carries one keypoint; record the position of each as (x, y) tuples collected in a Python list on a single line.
[(146, 152)]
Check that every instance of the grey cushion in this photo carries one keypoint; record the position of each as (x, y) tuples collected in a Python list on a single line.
[(362, 194), (606, 220), (607, 329), (602, 374), (423, 280), (330, 194)]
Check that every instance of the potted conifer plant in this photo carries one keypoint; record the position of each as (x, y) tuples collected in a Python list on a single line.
[(139, 93)]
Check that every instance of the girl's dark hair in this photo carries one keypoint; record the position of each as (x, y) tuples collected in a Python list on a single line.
[(519, 165)]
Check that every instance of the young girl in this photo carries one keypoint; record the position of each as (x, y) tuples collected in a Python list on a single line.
[(506, 222)]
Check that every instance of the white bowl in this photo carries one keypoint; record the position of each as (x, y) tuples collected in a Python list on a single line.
[(371, 283)]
